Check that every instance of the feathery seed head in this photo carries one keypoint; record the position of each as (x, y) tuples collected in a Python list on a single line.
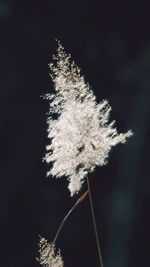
[(81, 136), (49, 257)]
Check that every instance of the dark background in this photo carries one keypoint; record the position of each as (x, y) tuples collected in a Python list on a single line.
[(110, 41)]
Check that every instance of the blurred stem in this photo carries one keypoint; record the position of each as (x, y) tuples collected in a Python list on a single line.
[(94, 225), (68, 214)]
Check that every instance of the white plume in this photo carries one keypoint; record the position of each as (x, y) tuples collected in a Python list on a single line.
[(48, 255), (79, 129)]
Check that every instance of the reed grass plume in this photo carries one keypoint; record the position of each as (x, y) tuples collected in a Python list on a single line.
[(48, 255), (79, 130)]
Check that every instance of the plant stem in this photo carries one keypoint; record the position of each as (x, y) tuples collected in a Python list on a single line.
[(94, 225), (68, 214)]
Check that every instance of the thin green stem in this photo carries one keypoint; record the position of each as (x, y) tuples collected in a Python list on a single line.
[(94, 225), (68, 214)]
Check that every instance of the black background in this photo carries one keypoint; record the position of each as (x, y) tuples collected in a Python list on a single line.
[(110, 41)]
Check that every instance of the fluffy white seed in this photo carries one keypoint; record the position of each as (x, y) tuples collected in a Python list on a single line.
[(48, 256), (79, 128)]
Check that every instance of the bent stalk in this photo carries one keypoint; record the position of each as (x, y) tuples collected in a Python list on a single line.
[(68, 214)]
